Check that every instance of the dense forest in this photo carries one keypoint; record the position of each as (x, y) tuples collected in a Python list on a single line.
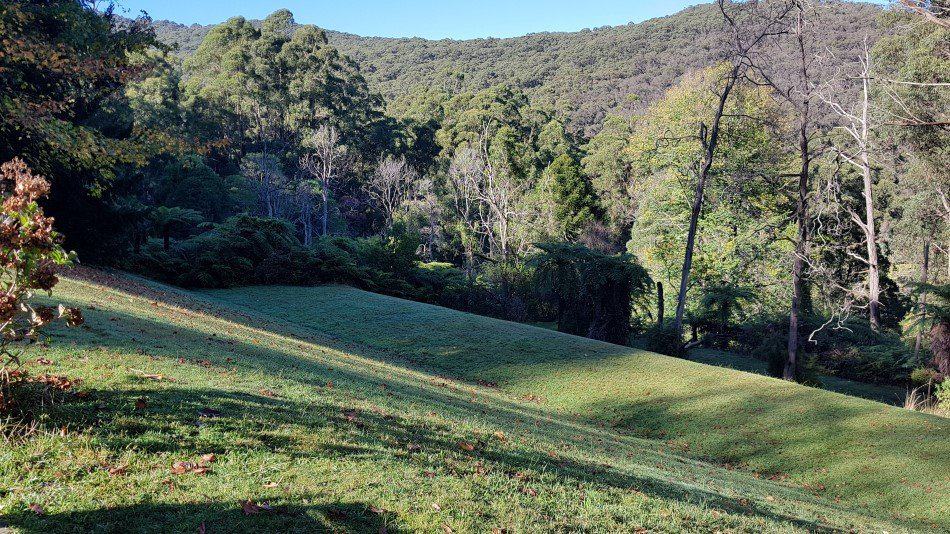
[(583, 76), (769, 179)]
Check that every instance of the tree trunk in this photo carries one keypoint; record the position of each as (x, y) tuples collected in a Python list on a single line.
[(922, 305), (709, 139), (874, 273), (659, 303), (166, 238), (790, 370), (324, 216)]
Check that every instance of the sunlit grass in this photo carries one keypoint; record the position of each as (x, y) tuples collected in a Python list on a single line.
[(347, 411)]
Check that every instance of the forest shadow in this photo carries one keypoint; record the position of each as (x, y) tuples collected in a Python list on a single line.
[(650, 420), (358, 432), (209, 517)]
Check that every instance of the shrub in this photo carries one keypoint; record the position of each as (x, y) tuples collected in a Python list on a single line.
[(591, 291), (942, 392), (31, 254), (664, 339)]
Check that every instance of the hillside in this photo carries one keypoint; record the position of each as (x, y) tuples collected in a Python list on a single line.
[(584, 75), (329, 408)]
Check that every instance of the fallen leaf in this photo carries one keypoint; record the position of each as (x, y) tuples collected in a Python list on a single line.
[(37, 509), (44, 361), (270, 484), (436, 506), (117, 471), (209, 458), (268, 393), (500, 436), (531, 491), (447, 529), (180, 468), (250, 507), (141, 403), (466, 446)]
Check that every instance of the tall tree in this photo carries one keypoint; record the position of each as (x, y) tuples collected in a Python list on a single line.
[(326, 161), (749, 24)]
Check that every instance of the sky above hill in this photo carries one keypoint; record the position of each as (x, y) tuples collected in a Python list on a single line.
[(432, 19)]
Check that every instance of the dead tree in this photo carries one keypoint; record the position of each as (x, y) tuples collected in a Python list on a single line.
[(326, 160), (390, 185), (857, 122)]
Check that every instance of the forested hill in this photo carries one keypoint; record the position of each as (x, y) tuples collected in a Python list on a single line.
[(585, 75)]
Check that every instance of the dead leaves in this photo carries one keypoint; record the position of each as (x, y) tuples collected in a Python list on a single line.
[(196, 468), (61, 383), (118, 471), (249, 507), (466, 446), (36, 509), (267, 393)]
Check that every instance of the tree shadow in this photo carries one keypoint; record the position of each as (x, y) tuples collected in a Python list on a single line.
[(393, 369), (212, 517)]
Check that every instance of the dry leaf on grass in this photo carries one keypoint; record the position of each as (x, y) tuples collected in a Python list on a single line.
[(466, 446), (36, 509), (249, 507)]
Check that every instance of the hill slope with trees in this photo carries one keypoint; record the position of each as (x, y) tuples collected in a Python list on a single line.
[(583, 75)]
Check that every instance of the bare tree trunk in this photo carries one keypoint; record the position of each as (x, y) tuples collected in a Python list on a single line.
[(325, 209), (874, 270), (709, 138), (922, 305), (659, 303)]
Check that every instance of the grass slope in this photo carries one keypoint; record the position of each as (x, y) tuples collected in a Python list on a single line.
[(351, 412)]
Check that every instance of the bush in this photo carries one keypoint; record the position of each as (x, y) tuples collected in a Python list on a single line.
[(663, 339), (942, 392), (31, 255)]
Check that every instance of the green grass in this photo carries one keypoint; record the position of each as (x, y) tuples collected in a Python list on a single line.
[(345, 411), (881, 393)]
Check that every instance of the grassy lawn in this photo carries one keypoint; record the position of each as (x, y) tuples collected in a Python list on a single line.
[(333, 409), (881, 393)]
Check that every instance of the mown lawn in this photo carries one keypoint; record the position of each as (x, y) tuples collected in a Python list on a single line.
[(338, 410)]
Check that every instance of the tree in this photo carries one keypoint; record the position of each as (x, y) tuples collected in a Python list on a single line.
[(574, 200), (739, 216), (390, 186), (326, 161), (749, 24), (168, 219), (591, 291), (934, 11), (858, 122), (65, 65)]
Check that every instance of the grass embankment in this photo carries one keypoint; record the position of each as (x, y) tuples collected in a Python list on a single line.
[(349, 411)]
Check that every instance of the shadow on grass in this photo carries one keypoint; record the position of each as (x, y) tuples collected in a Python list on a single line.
[(658, 417), (348, 517), (170, 424)]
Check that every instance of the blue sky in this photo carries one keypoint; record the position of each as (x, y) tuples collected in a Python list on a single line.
[(433, 19)]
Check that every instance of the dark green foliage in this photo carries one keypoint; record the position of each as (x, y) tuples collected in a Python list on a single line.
[(591, 291), (573, 195), (720, 309)]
